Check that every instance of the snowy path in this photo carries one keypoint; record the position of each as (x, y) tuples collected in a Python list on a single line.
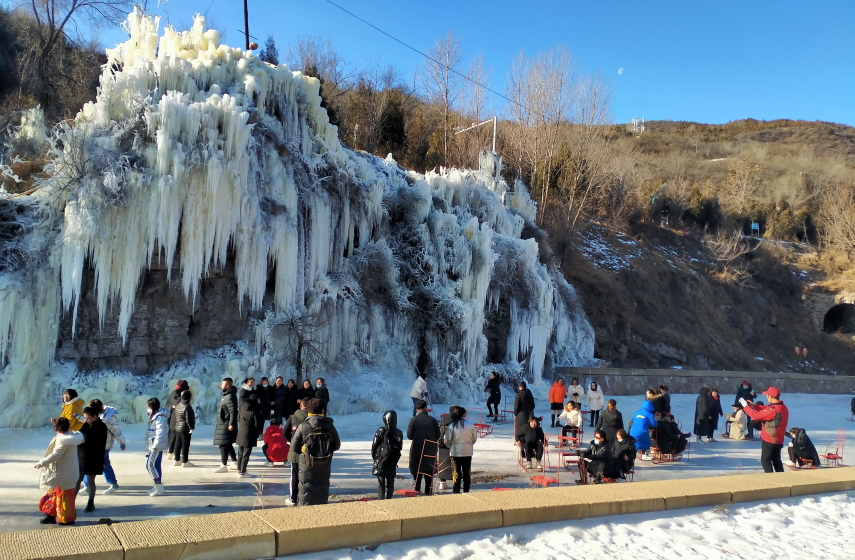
[(792, 529), (200, 490)]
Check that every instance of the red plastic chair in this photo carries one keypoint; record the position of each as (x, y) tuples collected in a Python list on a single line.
[(836, 459), (543, 479), (480, 427)]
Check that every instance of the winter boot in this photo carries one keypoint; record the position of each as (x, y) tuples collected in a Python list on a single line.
[(48, 520), (90, 507), (158, 490), (222, 469), (528, 466), (111, 489)]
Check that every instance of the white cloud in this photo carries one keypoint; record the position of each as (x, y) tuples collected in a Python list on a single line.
[(620, 71)]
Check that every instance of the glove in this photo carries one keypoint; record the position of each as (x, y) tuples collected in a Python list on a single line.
[(122, 446), (743, 402)]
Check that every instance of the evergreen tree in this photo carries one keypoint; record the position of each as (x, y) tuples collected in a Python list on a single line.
[(270, 53)]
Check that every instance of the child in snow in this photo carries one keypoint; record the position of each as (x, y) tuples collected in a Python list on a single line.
[(596, 402), (156, 441), (110, 417), (386, 451), (275, 446), (59, 471)]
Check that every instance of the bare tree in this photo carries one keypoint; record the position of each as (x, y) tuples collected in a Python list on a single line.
[(443, 81), (300, 338), (838, 215), (58, 20)]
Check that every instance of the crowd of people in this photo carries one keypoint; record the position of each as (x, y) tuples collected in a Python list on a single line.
[(86, 433)]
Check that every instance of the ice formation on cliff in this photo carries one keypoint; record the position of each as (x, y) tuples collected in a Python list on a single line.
[(201, 152)]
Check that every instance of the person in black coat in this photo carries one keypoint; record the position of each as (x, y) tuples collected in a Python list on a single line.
[(185, 423), (529, 437), (248, 426), (610, 421), (315, 472), (171, 402), (668, 437), (276, 397), (94, 447), (599, 462), (306, 392), (715, 413), (494, 387), (386, 456), (702, 414), (444, 471), (801, 450), (322, 394), (624, 453), (423, 432), (523, 406), (292, 398), (746, 392), (225, 431), (665, 399), (265, 392)]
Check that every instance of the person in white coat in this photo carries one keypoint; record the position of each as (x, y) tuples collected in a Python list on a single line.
[(59, 473), (460, 438), (596, 402), (738, 421), (575, 392), (156, 441), (419, 390)]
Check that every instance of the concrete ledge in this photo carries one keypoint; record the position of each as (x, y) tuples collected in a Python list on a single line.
[(314, 528), (688, 493), (225, 536), (521, 507), (440, 515), (843, 477), (61, 543), (614, 499)]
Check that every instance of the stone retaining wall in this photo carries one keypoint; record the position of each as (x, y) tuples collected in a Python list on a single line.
[(637, 381), (282, 531)]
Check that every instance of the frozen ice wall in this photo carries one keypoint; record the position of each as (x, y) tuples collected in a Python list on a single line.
[(195, 152)]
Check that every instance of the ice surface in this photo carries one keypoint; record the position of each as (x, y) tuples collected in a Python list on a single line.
[(200, 152)]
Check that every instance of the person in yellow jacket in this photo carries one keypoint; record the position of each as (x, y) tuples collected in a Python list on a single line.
[(72, 408)]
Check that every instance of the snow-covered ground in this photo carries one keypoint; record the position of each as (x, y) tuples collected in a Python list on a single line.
[(200, 490), (792, 529)]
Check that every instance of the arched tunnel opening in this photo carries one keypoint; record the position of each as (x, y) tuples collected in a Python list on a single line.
[(840, 318)]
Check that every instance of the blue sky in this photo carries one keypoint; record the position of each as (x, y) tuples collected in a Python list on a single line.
[(709, 62)]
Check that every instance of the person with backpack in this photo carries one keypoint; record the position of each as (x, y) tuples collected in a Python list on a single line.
[(494, 388), (94, 447), (596, 402), (172, 401), (185, 423), (386, 452), (773, 419), (523, 406), (423, 432), (248, 426), (110, 417), (58, 476), (419, 390), (557, 394), (276, 446), (294, 422), (316, 439), (156, 441), (225, 431), (460, 438)]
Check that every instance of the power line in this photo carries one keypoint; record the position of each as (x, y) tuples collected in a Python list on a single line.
[(465, 77)]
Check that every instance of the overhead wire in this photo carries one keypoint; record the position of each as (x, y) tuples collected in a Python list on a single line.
[(427, 56)]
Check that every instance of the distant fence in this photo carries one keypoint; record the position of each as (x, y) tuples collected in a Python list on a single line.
[(635, 381)]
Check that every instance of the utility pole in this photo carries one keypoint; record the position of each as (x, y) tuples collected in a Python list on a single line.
[(494, 120), (246, 23)]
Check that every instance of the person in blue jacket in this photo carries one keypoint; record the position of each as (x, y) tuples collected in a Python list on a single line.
[(642, 422)]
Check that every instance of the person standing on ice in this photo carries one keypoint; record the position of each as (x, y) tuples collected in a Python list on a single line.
[(642, 422), (715, 413), (307, 393), (596, 402), (248, 426), (172, 401), (576, 392), (523, 406), (460, 438), (773, 419), (225, 431), (423, 432), (94, 447), (156, 441), (419, 390), (494, 388), (58, 476), (702, 415), (264, 391), (386, 452), (294, 422), (557, 394), (292, 399), (110, 417), (72, 410), (443, 469), (745, 391), (277, 397), (315, 440), (185, 423), (611, 420), (322, 394)]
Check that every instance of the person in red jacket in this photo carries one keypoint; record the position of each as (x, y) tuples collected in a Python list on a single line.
[(774, 421), (275, 446), (557, 394)]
